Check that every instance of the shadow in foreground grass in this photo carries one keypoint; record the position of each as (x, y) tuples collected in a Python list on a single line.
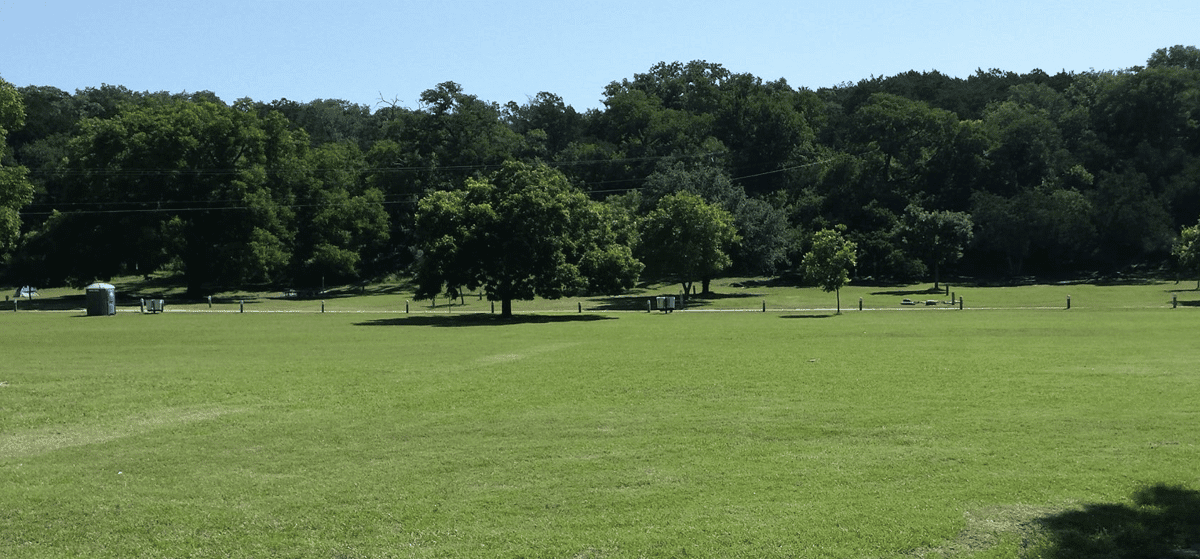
[(1163, 521), (808, 316), (481, 319)]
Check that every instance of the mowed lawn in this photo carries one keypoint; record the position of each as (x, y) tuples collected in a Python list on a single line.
[(917, 432)]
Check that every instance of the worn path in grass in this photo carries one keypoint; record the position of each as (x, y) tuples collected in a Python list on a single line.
[(596, 435)]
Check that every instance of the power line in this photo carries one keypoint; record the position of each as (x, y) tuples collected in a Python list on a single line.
[(388, 169), (187, 206), (188, 209)]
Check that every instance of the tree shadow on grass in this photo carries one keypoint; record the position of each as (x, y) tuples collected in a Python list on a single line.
[(60, 303), (714, 296), (639, 302), (907, 292), (1163, 521), (480, 319), (622, 303), (791, 316)]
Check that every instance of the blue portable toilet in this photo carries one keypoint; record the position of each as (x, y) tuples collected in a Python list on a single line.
[(101, 299)]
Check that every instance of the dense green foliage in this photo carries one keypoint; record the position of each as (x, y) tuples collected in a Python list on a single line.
[(686, 239), (1187, 250), (1031, 173), (15, 189), (523, 231)]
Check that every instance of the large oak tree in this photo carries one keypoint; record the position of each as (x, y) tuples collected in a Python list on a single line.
[(521, 232)]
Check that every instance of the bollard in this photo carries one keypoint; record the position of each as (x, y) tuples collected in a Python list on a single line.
[(649, 305), (947, 289), (960, 303), (242, 305), (406, 307), (322, 306), (1174, 300), (860, 303), (764, 305), (1068, 302), (143, 300), (580, 308)]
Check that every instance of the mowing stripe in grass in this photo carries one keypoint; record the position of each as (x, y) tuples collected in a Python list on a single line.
[(31, 442)]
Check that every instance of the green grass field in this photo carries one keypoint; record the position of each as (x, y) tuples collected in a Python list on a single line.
[(1013, 428)]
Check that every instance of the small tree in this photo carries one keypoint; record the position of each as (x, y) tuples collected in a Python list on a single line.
[(1187, 250), (829, 261)]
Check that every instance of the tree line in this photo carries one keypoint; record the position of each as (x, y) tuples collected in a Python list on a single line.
[(998, 174)]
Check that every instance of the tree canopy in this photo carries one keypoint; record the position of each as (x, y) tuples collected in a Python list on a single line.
[(827, 264), (1187, 251), (935, 237), (198, 184), (15, 188), (687, 239), (520, 232), (1074, 172)]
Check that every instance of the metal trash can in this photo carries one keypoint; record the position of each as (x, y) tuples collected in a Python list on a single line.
[(101, 299)]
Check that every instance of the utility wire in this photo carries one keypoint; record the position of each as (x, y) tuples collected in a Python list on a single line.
[(389, 169), (183, 206)]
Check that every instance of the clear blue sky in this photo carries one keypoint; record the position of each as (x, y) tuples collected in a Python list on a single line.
[(362, 50)]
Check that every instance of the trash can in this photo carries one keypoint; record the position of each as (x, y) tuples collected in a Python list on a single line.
[(101, 299)]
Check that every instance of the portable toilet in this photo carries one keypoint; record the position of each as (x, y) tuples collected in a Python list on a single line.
[(101, 299)]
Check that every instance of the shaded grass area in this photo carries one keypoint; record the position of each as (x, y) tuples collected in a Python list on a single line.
[(933, 434), (467, 320), (1160, 521)]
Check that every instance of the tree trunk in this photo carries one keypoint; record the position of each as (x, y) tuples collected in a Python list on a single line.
[(506, 307), (704, 284), (839, 300), (196, 271)]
